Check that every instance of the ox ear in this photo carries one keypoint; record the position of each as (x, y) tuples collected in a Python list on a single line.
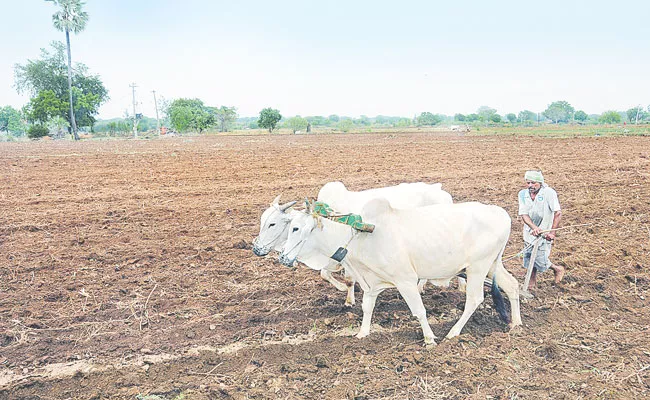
[(288, 205), (276, 202)]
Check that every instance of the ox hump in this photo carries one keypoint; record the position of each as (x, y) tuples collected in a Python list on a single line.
[(375, 208), (331, 190)]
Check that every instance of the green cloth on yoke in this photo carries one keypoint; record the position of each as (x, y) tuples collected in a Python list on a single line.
[(354, 220)]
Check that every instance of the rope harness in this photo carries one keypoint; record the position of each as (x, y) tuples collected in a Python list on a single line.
[(355, 222), (529, 245)]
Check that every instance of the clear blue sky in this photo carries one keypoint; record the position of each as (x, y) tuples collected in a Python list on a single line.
[(349, 57)]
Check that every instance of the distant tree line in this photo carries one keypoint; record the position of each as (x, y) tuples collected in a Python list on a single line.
[(45, 115), (124, 126)]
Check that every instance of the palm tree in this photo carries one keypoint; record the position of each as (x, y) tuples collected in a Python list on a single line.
[(71, 18)]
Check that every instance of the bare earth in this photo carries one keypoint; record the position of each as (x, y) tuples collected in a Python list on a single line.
[(126, 269)]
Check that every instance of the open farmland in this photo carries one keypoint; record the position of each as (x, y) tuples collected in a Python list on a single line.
[(126, 269)]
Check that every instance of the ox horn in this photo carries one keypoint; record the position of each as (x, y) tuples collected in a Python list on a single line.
[(276, 201), (309, 206), (286, 206)]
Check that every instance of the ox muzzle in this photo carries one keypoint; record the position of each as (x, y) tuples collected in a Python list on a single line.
[(286, 261), (261, 251)]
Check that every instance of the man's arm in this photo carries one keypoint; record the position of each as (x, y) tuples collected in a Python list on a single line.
[(557, 218), (535, 230)]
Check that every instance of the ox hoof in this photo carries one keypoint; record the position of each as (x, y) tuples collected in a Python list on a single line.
[(361, 335), (347, 304), (514, 327)]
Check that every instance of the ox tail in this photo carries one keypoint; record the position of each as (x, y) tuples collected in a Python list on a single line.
[(499, 303), (497, 297)]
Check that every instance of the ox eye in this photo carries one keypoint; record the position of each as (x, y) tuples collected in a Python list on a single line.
[(271, 225), (295, 229)]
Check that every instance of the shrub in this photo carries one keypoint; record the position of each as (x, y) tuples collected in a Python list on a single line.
[(37, 131)]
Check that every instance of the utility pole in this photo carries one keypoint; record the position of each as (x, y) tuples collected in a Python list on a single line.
[(135, 116), (155, 104)]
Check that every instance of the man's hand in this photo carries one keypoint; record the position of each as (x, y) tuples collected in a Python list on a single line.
[(536, 231), (550, 236)]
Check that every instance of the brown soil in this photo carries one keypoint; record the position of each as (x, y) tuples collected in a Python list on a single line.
[(126, 271)]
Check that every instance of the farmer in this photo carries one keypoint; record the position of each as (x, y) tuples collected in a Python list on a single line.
[(539, 208)]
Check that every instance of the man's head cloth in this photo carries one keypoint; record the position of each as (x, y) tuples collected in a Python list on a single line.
[(535, 176)]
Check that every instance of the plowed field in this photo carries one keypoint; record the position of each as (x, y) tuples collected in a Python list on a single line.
[(126, 272)]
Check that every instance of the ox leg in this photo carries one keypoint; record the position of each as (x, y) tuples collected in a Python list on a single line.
[(510, 286), (412, 296), (367, 305), (462, 283), (349, 282), (421, 284), (473, 297), (327, 275)]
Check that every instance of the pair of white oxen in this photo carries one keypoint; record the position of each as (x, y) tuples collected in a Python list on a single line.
[(419, 235)]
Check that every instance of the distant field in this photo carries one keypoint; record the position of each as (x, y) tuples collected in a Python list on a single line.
[(541, 130)]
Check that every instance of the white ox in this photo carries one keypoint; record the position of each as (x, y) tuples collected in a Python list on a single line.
[(402, 196), (274, 223), (433, 242)]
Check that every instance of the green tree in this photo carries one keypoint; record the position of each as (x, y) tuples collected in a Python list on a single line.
[(45, 106), (297, 123), (70, 18), (269, 118), (58, 124), (526, 116), (496, 118), (345, 125), (485, 113), (460, 118), (636, 114), (317, 120), (473, 117), (225, 117), (382, 120), (362, 120), (610, 117), (402, 122), (10, 120), (511, 117), (37, 131), (559, 111), (333, 118), (49, 74), (111, 128), (427, 118), (190, 115), (580, 116)]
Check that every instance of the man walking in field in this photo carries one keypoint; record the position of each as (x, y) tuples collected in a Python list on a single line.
[(539, 208)]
